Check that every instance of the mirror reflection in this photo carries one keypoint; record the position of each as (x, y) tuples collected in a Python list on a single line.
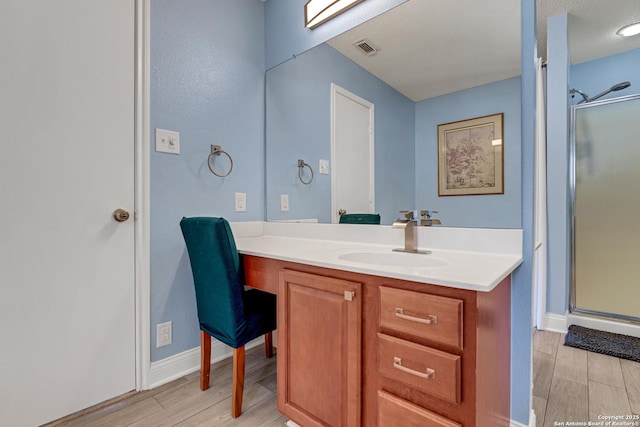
[(362, 111)]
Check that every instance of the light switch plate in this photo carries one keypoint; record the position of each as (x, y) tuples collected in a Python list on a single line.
[(284, 202), (167, 141), (241, 202), (324, 167)]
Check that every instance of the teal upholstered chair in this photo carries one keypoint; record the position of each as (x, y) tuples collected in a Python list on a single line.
[(226, 311), (359, 218)]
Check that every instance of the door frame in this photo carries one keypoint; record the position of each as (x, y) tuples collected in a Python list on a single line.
[(335, 90), (142, 167)]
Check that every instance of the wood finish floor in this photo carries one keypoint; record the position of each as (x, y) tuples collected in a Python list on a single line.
[(570, 384), (182, 403)]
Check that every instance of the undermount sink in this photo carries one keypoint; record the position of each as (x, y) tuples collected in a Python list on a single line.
[(398, 259)]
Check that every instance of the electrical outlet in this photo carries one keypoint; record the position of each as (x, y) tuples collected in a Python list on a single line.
[(241, 202), (164, 334), (284, 202)]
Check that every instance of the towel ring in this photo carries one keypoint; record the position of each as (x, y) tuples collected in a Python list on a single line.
[(216, 150), (301, 166)]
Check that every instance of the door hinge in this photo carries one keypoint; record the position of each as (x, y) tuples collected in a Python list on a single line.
[(349, 295)]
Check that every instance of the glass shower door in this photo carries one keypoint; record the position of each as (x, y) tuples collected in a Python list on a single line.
[(606, 208)]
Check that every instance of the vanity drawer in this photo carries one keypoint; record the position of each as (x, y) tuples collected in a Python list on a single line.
[(392, 408), (431, 371), (422, 315)]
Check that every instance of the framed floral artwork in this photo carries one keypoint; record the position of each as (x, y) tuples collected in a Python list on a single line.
[(470, 157)]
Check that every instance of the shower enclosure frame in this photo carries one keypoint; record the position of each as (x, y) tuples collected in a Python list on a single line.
[(572, 188)]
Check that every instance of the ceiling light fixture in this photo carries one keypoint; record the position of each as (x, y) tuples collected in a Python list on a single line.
[(317, 12), (629, 30)]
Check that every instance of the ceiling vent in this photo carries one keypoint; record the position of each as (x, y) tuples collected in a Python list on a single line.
[(366, 47)]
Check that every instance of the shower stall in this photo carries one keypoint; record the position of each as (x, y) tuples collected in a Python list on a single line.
[(605, 208)]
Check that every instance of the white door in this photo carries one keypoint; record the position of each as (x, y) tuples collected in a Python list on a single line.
[(66, 266), (352, 154)]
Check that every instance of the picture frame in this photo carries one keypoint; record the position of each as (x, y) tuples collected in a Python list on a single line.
[(471, 156)]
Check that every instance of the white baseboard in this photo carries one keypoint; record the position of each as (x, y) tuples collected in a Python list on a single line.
[(554, 323), (181, 364), (601, 324), (558, 323)]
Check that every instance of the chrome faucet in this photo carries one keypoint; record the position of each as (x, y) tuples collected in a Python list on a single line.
[(409, 223), (426, 220)]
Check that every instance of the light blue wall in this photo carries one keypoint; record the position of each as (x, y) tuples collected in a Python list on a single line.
[(557, 164), (521, 284), (299, 127), (591, 77), (207, 82), (600, 74), (495, 210), (287, 36)]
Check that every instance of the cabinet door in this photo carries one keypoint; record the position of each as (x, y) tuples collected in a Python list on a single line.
[(319, 327)]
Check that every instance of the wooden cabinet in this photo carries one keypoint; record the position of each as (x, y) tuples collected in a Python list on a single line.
[(319, 334), (392, 409), (422, 315), (431, 371), (456, 344), (360, 350)]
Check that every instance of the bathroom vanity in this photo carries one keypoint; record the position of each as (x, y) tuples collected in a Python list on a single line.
[(368, 336)]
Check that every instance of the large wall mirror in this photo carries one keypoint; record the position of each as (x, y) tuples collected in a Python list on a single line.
[(361, 111)]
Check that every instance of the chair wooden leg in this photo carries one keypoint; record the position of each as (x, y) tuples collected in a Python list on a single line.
[(268, 344), (205, 360), (238, 381)]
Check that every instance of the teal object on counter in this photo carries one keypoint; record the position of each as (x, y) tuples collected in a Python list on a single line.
[(360, 218)]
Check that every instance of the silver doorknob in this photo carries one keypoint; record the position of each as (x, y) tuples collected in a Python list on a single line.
[(120, 215)]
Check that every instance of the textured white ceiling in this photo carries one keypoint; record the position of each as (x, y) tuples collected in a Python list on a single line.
[(592, 26), (434, 47)]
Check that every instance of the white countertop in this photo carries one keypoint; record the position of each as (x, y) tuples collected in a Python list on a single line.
[(465, 258)]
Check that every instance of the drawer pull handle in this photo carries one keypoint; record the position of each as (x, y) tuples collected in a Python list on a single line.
[(430, 320), (428, 374)]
